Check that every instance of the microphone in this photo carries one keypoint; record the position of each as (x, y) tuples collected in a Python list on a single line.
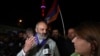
[(46, 50)]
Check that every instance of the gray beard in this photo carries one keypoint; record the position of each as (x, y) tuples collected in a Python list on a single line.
[(42, 37)]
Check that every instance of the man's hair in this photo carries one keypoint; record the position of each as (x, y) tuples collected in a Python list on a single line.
[(39, 23)]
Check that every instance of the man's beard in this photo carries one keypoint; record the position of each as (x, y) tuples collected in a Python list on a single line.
[(44, 36)]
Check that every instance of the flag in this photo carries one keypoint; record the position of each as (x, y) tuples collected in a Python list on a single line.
[(53, 12)]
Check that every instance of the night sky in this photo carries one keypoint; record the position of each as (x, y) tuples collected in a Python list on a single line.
[(29, 11), (73, 12)]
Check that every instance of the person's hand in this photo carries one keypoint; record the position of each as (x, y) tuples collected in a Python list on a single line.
[(29, 43)]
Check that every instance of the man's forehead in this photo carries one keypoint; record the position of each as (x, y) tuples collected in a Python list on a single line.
[(71, 30), (42, 26)]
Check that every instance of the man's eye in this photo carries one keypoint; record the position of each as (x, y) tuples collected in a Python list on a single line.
[(42, 29)]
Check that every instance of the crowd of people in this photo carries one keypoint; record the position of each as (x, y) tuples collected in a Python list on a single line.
[(82, 40)]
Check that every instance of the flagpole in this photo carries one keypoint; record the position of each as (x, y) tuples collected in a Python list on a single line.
[(62, 22)]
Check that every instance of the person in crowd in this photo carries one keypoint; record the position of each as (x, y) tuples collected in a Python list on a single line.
[(71, 33), (22, 36), (40, 44), (60, 41), (69, 45), (29, 32), (87, 40)]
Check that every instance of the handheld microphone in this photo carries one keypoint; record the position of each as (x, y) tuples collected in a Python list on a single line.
[(46, 50)]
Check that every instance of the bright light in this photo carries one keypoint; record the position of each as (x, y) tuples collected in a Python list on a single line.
[(43, 6), (20, 20)]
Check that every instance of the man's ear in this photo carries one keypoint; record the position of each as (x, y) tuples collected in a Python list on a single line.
[(94, 45)]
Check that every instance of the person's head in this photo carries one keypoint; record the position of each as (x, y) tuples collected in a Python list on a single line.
[(29, 32), (41, 29), (71, 33), (55, 33), (20, 34), (86, 41)]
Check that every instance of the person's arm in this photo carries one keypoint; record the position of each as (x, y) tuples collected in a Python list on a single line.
[(53, 48), (29, 43), (21, 53), (56, 51)]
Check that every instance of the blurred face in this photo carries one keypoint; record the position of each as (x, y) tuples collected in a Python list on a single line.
[(81, 45), (21, 35), (29, 33), (71, 33), (55, 33), (41, 29), (25, 36)]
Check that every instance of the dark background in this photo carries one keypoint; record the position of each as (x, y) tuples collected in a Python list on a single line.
[(73, 12)]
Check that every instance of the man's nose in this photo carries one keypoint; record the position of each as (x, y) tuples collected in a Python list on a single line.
[(74, 39), (44, 31)]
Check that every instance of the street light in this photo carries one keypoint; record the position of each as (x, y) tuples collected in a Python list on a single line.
[(20, 20)]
